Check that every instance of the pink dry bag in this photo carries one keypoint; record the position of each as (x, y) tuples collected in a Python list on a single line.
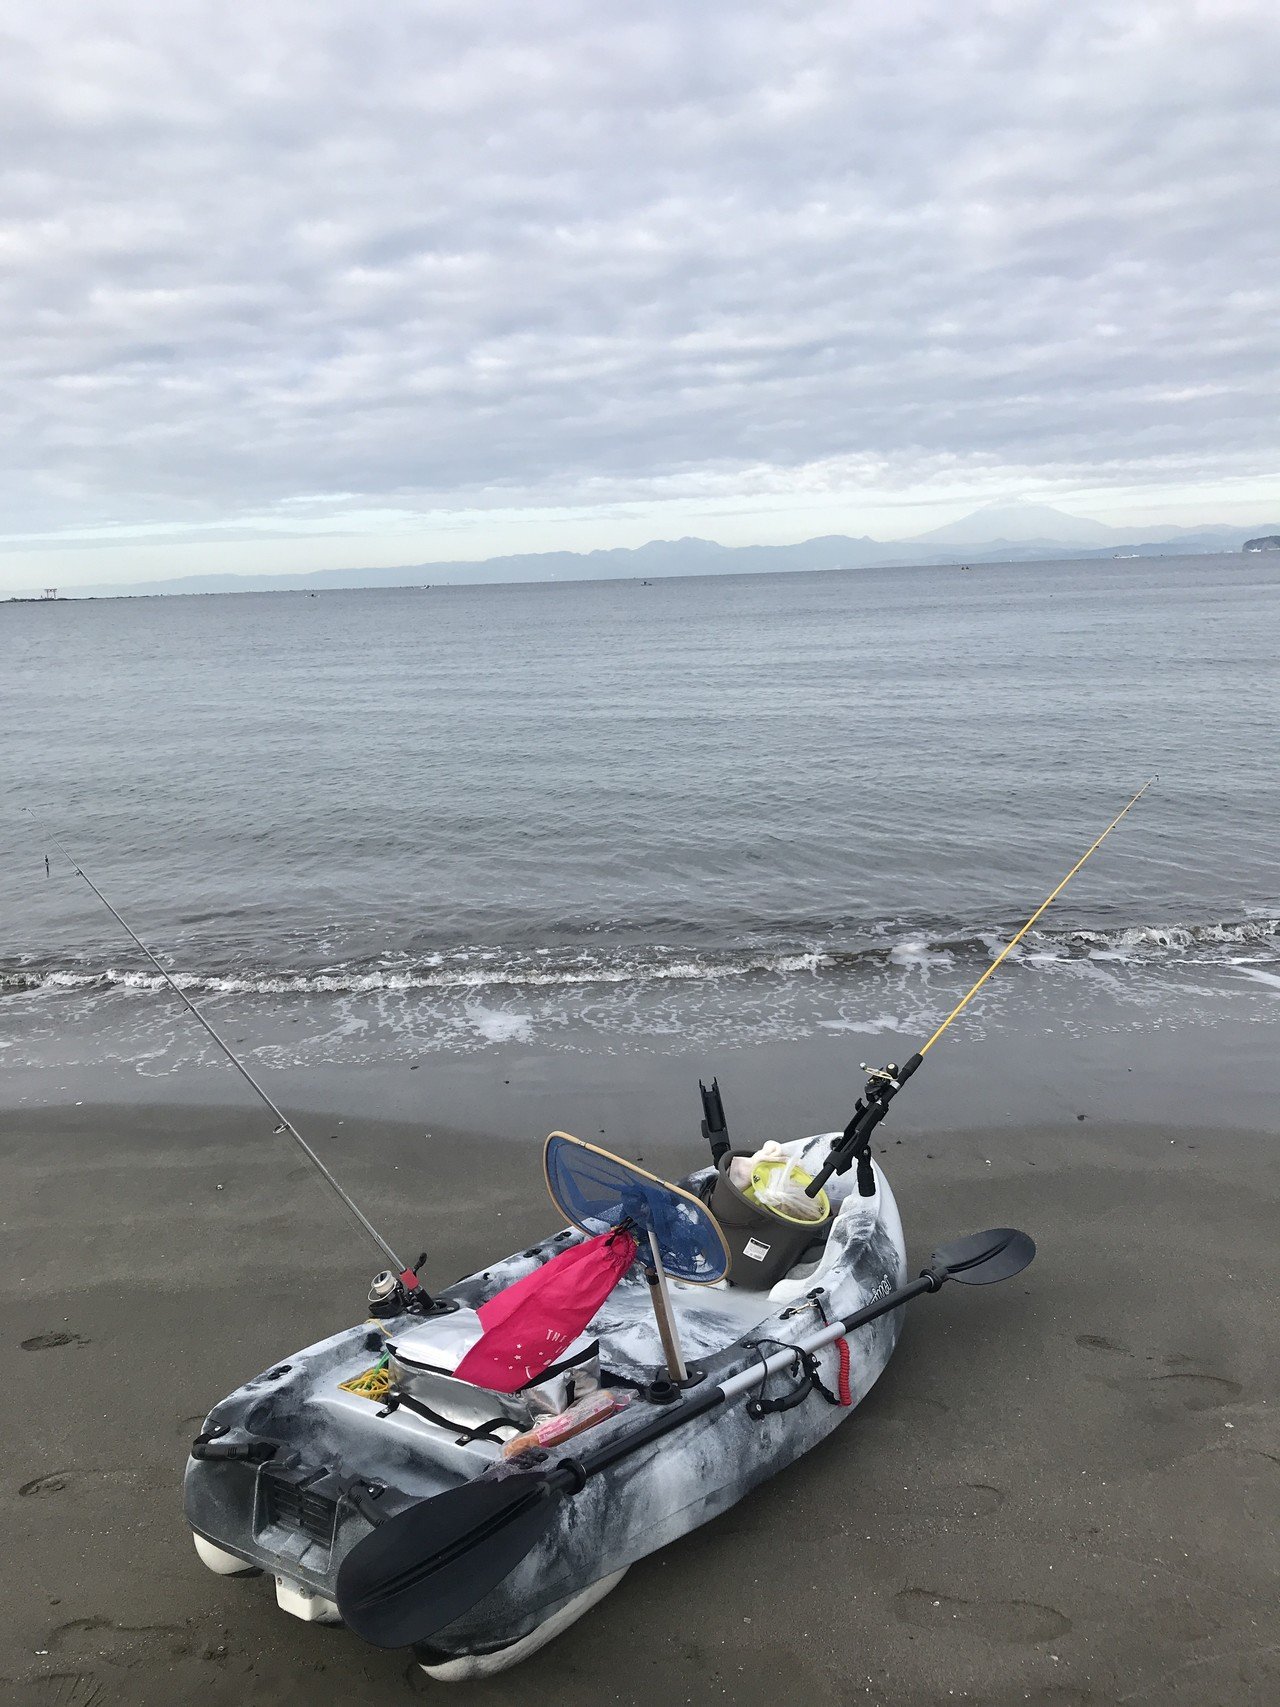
[(528, 1325)]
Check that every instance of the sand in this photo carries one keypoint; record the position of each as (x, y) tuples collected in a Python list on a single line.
[(1063, 1491)]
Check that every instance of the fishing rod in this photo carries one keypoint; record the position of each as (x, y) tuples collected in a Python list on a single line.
[(884, 1083), (406, 1276)]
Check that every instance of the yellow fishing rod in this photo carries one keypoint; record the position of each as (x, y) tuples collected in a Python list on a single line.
[(854, 1143)]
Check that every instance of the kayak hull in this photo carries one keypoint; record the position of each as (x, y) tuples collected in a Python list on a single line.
[(297, 1513)]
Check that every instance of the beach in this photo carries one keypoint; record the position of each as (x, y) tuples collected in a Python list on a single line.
[(1062, 1491)]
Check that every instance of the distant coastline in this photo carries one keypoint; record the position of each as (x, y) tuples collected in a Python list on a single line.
[(670, 559)]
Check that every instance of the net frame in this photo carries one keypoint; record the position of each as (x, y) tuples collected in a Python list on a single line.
[(704, 1214)]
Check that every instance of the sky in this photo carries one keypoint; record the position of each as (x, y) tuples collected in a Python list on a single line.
[(309, 285)]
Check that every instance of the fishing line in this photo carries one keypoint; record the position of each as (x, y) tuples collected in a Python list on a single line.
[(285, 1124)]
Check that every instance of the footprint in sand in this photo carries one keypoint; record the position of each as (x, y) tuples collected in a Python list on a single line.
[(981, 1498), (79, 1481), (53, 1483), (66, 1689), (51, 1342), (1025, 1621), (1198, 1392), (174, 1638), (1098, 1342), (903, 1404)]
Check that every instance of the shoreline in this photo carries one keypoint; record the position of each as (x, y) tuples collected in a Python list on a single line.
[(1033, 1062), (1062, 1491)]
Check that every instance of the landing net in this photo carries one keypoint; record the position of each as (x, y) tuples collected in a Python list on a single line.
[(598, 1191)]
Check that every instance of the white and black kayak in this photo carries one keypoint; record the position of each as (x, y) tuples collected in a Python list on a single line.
[(389, 1504)]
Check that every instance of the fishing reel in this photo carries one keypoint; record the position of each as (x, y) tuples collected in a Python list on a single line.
[(392, 1295), (880, 1078)]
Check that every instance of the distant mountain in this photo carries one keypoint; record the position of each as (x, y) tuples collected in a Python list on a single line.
[(997, 534), (660, 557), (1025, 524), (1268, 542), (1047, 529)]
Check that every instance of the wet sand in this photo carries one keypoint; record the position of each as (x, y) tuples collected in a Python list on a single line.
[(1064, 1491)]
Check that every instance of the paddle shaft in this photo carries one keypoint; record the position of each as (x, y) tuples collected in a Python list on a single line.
[(708, 1398)]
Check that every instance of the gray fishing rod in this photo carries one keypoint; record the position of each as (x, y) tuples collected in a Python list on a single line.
[(408, 1279)]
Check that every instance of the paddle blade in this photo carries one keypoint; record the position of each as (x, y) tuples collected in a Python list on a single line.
[(427, 1565), (984, 1258)]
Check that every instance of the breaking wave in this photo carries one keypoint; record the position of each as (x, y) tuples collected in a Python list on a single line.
[(482, 969)]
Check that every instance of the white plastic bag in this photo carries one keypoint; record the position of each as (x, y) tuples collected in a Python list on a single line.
[(740, 1171), (780, 1190)]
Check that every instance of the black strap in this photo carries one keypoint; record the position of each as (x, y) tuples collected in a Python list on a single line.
[(810, 1381), (481, 1431), (811, 1366), (565, 1366), (611, 1378), (210, 1444), (761, 1405), (366, 1495)]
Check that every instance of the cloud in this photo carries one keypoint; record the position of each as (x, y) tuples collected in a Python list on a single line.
[(456, 256)]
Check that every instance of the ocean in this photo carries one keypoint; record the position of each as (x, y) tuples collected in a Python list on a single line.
[(614, 818)]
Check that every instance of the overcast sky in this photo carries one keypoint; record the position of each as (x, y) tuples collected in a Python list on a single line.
[(297, 285)]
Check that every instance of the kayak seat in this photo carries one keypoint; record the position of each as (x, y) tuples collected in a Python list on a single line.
[(709, 1318), (852, 1224)]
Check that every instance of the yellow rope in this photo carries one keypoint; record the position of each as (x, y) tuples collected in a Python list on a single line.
[(372, 1384), (1013, 943)]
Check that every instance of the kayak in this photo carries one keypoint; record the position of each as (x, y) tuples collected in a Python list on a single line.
[(297, 1467)]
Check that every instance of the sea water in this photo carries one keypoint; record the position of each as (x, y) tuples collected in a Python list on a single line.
[(366, 827)]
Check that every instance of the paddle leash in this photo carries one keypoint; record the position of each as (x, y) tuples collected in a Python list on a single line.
[(884, 1083)]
